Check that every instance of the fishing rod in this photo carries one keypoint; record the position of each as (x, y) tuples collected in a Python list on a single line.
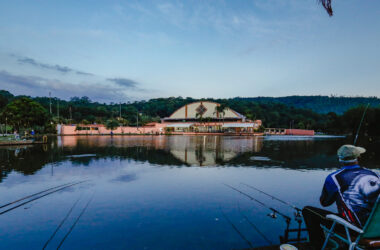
[(60, 224), (360, 124), (298, 210), (297, 215), (236, 229), (29, 196), (254, 227), (274, 211), (76, 221), (39, 197), (287, 219)]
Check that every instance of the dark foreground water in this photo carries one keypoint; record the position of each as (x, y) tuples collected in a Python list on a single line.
[(161, 192)]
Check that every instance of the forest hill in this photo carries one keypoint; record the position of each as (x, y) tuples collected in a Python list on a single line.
[(27, 112)]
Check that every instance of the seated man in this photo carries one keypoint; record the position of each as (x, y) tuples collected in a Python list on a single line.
[(354, 190)]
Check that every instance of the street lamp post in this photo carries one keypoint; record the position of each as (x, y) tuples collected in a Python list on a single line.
[(138, 114), (50, 101), (71, 116), (58, 109)]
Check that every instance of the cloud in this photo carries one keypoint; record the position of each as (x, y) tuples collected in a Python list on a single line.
[(129, 84), (38, 86), (123, 82), (31, 81), (55, 67), (66, 82)]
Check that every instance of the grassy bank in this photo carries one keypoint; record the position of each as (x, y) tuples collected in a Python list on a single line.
[(7, 138)]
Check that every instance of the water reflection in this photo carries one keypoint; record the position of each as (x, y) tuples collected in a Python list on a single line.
[(181, 151), (189, 150), (211, 150), (162, 192)]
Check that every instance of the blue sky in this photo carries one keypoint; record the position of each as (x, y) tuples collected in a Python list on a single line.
[(133, 50)]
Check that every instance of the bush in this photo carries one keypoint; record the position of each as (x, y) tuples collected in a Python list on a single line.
[(112, 124)]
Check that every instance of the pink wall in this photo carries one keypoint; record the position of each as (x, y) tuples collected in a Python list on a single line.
[(299, 132), (71, 130), (156, 128)]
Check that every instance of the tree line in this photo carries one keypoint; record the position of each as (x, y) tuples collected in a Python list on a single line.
[(42, 113)]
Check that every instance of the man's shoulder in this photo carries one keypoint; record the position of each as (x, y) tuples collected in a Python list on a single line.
[(346, 172), (367, 171), (331, 175), (343, 177), (361, 171), (356, 169), (330, 181), (335, 177)]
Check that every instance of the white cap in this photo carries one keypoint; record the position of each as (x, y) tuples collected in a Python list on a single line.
[(347, 153)]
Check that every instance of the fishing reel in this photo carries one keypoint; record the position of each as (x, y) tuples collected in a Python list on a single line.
[(298, 215), (273, 215)]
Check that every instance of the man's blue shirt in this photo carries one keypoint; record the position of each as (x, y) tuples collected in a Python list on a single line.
[(354, 190)]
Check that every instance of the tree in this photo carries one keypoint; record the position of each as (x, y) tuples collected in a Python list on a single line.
[(301, 125), (82, 100), (335, 115), (85, 122), (25, 113), (90, 118), (77, 116), (123, 121), (199, 117), (5, 98), (221, 109), (112, 124)]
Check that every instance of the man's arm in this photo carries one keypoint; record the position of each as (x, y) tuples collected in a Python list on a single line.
[(329, 192)]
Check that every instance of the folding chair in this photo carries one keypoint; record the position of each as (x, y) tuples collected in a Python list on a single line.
[(369, 236)]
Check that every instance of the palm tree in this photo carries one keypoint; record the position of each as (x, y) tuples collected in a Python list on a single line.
[(221, 109), (199, 116)]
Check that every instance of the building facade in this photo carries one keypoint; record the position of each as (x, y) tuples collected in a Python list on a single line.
[(209, 117), (194, 118)]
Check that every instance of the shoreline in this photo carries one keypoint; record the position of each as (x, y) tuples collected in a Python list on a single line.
[(16, 143), (130, 134)]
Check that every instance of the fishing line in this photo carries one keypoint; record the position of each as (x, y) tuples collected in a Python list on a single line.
[(315, 213), (254, 226), (29, 196), (39, 197), (274, 211), (76, 221), (297, 215), (236, 229), (298, 210), (60, 224)]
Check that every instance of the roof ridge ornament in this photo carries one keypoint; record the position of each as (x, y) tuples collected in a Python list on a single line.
[(201, 109)]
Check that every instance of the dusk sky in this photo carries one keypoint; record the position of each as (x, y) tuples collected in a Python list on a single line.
[(114, 51)]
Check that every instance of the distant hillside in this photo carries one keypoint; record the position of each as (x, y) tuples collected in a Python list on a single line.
[(319, 104), (334, 115)]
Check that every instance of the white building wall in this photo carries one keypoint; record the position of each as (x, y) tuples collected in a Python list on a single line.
[(210, 112)]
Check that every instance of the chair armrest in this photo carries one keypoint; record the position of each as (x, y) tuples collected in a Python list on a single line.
[(343, 222)]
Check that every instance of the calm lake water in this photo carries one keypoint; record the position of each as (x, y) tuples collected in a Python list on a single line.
[(161, 192)]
